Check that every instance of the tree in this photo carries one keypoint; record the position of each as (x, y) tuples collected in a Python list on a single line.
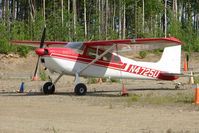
[(74, 17), (85, 23)]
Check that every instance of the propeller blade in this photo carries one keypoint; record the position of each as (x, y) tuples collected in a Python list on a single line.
[(43, 37), (41, 46), (36, 66)]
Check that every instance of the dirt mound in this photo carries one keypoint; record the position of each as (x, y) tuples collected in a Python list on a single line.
[(14, 64)]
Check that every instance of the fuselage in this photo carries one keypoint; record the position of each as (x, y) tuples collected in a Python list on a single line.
[(68, 61)]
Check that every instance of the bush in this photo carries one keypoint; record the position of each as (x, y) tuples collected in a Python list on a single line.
[(4, 47), (92, 81), (43, 75), (104, 79), (196, 80), (143, 54), (23, 50)]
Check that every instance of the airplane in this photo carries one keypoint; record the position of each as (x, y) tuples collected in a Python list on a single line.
[(102, 59)]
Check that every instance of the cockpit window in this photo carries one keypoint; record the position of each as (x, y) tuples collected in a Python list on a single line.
[(107, 57), (93, 53)]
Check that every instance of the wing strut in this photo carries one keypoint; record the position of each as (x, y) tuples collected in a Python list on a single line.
[(97, 58)]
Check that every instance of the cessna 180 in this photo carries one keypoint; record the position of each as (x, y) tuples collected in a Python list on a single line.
[(101, 59)]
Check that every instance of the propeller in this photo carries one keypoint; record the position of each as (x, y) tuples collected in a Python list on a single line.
[(41, 46)]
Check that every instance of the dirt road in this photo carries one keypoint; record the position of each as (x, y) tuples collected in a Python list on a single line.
[(103, 110)]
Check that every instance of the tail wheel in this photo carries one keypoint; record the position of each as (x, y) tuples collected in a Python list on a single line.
[(49, 88), (80, 89)]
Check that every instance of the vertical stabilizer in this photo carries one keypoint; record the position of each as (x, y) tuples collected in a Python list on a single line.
[(171, 59)]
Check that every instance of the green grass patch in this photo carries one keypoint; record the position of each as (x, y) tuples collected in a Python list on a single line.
[(135, 97), (43, 75), (143, 54), (104, 79), (152, 99), (196, 80), (91, 81)]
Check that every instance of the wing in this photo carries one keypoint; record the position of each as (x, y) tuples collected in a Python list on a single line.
[(134, 45), (127, 45), (37, 43)]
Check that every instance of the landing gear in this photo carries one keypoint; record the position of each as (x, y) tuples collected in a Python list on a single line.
[(49, 88), (80, 89)]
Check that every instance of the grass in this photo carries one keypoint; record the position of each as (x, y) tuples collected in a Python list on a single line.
[(91, 81), (196, 80), (142, 54), (43, 75), (152, 99), (115, 80)]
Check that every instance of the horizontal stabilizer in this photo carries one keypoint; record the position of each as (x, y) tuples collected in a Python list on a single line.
[(176, 74)]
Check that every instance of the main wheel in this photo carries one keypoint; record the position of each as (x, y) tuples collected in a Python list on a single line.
[(80, 89), (49, 88)]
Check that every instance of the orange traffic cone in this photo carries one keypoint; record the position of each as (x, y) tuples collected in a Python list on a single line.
[(124, 93), (197, 95), (35, 78), (185, 64), (99, 80)]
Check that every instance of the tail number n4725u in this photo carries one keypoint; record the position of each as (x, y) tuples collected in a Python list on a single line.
[(143, 71)]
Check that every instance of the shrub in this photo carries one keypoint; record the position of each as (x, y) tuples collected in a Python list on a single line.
[(196, 80), (23, 50), (92, 81), (143, 54), (104, 79), (43, 75)]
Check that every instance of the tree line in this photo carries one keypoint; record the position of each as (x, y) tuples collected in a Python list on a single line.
[(88, 20)]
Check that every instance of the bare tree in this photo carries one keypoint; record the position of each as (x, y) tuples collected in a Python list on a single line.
[(120, 21), (74, 16), (62, 13), (13, 10), (143, 16), (113, 21), (32, 10), (7, 14), (165, 19), (135, 18), (124, 20), (175, 10), (106, 19), (3, 9), (100, 18), (44, 8), (85, 20)]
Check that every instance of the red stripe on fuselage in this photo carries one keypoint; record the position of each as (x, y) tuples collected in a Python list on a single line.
[(138, 70)]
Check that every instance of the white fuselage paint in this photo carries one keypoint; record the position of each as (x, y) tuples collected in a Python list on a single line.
[(133, 69)]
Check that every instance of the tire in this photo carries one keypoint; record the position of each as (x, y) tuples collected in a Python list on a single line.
[(80, 89), (47, 89)]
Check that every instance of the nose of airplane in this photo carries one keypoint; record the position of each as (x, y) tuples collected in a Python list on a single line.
[(40, 51)]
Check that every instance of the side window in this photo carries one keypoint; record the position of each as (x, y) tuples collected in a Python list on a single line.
[(116, 59), (107, 57), (91, 53), (81, 50)]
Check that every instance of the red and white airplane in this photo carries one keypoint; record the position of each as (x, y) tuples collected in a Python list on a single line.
[(101, 59)]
